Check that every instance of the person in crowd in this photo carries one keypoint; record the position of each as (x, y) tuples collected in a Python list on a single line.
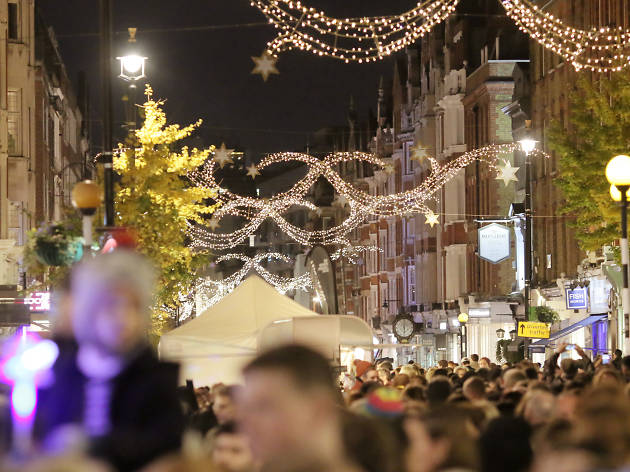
[(290, 410), (224, 405), (231, 451), (441, 439), (115, 392), (384, 375), (474, 361), (625, 368), (616, 359), (438, 391), (484, 363)]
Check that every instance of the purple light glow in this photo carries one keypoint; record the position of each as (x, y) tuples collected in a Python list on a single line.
[(26, 359)]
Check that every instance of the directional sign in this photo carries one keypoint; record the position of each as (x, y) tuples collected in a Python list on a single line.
[(532, 329)]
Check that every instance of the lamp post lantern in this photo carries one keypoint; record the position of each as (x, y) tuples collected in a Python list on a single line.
[(618, 174), (86, 197)]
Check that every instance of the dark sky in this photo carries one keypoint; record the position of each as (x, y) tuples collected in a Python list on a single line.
[(206, 74)]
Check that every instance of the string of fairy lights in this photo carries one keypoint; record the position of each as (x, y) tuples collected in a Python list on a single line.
[(352, 39), (368, 39), (361, 205), (209, 291)]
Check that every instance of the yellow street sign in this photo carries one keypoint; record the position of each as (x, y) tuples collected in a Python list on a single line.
[(533, 329)]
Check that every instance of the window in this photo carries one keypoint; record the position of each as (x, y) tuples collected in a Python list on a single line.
[(408, 163), (411, 284), (13, 21), (13, 121)]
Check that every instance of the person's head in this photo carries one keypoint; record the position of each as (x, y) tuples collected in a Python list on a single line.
[(607, 376), (537, 407), (290, 404), (505, 445), (441, 439), (230, 450), (438, 391), (465, 361), (409, 370), (224, 405), (569, 368), (460, 371), (442, 364), (484, 363), (112, 298), (370, 375), (474, 358), (474, 389), (383, 375), (625, 367), (617, 354), (512, 377)]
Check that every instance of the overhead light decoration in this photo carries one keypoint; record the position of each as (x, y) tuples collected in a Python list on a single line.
[(352, 253), (210, 291), (360, 205), (368, 39), (605, 49)]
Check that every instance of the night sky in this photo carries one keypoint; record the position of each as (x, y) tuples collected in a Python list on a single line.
[(206, 73)]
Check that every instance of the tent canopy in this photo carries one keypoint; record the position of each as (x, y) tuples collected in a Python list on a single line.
[(215, 346)]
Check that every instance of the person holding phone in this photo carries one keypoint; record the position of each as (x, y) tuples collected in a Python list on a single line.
[(569, 367)]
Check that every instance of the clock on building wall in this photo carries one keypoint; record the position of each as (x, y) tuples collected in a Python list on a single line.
[(404, 328)]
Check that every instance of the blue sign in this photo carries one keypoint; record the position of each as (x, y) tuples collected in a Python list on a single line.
[(577, 298)]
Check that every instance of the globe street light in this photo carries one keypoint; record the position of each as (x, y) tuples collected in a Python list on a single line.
[(618, 174), (86, 197)]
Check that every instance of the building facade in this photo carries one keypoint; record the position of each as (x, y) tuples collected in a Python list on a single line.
[(43, 135)]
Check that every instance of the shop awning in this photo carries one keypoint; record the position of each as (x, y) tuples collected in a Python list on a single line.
[(589, 320)]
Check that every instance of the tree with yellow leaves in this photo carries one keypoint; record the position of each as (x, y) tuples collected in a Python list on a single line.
[(156, 198)]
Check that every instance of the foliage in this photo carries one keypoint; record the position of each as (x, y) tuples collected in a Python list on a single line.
[(599, 129), (544, 314), (503, 354), (51, 249), (156, 198)]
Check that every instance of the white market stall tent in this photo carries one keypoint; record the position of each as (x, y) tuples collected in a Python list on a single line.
[(216, 345)]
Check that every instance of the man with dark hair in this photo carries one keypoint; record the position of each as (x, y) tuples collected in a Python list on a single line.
[(617, 357), (438, 391), (289, 409), (231, 451), (474, 361)]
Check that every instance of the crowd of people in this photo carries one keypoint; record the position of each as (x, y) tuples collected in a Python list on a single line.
[(113, 406)]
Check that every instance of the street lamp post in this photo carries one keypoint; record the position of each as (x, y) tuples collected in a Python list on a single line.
[(528, 145), (86, 197), (618, 174), (106, 70)]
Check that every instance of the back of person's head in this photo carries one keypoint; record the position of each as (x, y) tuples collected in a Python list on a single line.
[(474, 388), (400, 381), (440, 372), (451, 425), (442, 364), (409, 370), (474, 357), (607, 376), (372, 443), (505, 445), (438, 391), (531, 373), (625, 363), (618, 353), (569, 367), (511, 377), (414, 394), (306, 368), (602, 426)]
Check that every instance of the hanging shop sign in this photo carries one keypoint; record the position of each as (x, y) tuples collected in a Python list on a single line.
[(494, 243), (577, 298)]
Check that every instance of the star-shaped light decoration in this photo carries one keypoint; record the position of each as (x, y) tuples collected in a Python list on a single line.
[(507, 173), (419, 153), (340, 201), (213, 224), (388, 168), (223, 155), (432, 218), (252, 171), (265, 65)]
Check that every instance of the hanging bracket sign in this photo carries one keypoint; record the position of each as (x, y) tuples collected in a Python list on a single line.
[(494, 243)]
